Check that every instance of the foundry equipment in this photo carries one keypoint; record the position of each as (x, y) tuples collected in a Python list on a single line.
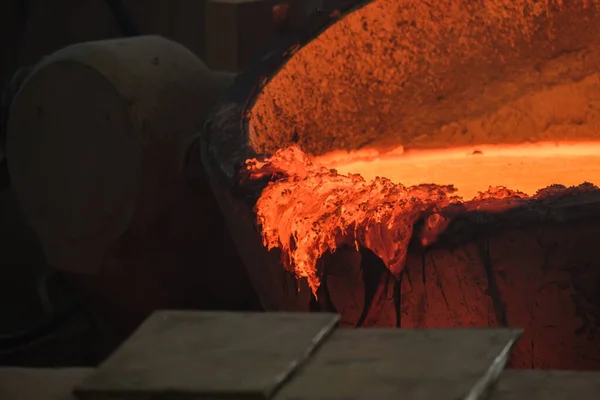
[(418, 101), (96, 142), (403, 163)]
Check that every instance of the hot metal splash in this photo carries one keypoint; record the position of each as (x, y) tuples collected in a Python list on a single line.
[(307, 209)]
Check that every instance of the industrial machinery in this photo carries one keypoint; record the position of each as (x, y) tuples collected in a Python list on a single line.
[(424, 165), (405, 164)]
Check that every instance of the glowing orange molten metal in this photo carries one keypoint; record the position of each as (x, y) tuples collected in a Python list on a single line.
[(471, 170), (308, 209)]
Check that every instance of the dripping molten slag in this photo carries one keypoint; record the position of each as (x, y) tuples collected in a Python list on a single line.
[(312, 205)]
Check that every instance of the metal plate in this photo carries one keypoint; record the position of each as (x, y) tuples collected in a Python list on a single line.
[(547, 385), (403, 364), (209, 355)]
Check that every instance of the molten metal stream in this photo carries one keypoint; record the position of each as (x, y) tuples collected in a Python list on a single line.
[(307, 208), (525, 168)]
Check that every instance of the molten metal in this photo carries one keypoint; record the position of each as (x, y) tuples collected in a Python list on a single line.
[(308, 209), (471, 170), (492, 74)]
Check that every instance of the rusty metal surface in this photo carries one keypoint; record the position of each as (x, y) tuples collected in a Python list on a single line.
[(209, 355), (403, 364)]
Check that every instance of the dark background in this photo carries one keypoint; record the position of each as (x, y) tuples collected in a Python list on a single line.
[(29, 30)]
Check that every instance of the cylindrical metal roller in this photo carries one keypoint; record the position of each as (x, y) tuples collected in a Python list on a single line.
[(97, 138)]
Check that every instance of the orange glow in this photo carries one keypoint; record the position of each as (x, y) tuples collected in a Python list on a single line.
[(437, 73), (307, 208), (493, 108), (526, 168), (479, 77)]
